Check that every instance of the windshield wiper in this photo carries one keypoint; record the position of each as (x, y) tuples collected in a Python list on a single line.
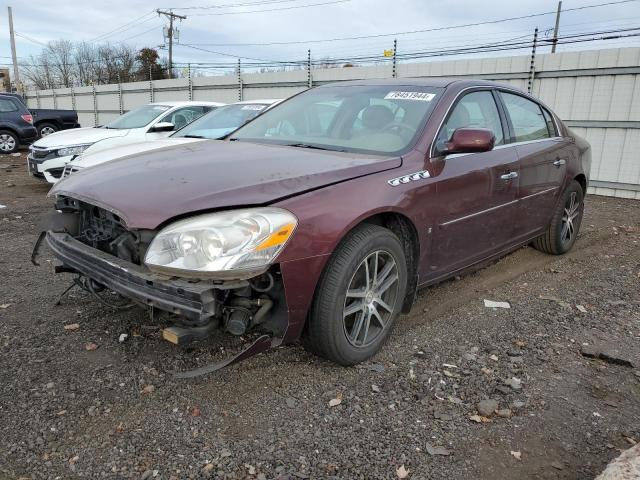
[(314, 147), (193, 136)]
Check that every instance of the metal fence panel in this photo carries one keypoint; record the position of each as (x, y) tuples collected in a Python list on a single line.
[(596, 92)]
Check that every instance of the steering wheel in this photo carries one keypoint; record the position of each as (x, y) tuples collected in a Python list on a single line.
[(395, 127)]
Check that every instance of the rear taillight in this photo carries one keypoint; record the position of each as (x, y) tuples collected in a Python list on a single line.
[(27, 118)]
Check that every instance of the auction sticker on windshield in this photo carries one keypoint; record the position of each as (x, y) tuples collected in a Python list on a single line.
[(420, 96), (253, 107)]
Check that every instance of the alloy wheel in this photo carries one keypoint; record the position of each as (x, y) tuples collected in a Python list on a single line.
[(7, 143), (44, 131), (569, 218), (370, 299)]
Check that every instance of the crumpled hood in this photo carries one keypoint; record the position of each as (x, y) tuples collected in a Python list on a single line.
[(78, 136), (149, 188), (112, 149)]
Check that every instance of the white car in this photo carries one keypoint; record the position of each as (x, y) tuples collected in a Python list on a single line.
[(48, 156), (212, 126)]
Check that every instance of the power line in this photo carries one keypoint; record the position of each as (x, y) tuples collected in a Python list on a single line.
[(332, 2), (118, 30), (235, 5), (435, 29)]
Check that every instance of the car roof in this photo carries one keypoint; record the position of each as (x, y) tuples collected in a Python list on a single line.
[(268, 101), (442, 82), (186, 103)]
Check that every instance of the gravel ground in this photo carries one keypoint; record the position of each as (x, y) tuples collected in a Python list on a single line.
[(561, 367)]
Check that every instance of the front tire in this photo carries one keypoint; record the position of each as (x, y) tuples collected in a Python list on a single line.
[(359, 296), (9, 142), (565, 224)]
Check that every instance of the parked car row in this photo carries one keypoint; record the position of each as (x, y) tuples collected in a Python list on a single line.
[(319, 218)]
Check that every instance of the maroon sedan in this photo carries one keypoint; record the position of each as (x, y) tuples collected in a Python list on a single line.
[(321, 218)]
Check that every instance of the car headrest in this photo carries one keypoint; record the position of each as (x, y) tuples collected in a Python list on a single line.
[(376, 117), (459, 118)]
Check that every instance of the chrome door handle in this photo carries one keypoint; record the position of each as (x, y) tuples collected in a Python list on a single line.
[(509, 176), (559, 162)]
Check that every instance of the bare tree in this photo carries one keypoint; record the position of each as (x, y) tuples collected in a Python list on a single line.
[(60, 56), (64, 64)]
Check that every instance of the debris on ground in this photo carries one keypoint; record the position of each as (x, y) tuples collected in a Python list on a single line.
[(90, 347), (487, 407), (431, 450), (494, 304), (607, 353), (402, 472), (625, 467), (72, 327)]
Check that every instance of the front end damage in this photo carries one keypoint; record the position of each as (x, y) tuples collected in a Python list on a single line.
[(95, 244)]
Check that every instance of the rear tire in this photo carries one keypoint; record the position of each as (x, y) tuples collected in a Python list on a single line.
[(359, 296), (45, 129), (565, 224), (9, 142)]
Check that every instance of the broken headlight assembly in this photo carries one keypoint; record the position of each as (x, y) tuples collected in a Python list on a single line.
[(236, 244)]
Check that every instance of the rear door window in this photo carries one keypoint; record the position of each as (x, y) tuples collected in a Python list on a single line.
[(7, 105), (527, 119)]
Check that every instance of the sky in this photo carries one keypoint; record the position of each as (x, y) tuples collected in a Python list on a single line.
[(216, 25)]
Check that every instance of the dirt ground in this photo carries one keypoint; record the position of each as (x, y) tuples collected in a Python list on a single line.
[(117, 412)]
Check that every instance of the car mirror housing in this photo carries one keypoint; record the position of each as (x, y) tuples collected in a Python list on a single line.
[(163, 127), (470, 140)]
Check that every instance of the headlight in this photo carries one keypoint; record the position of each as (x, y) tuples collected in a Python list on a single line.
[(74, 150), (233, 244)]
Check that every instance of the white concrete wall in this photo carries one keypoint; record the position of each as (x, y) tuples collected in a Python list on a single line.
[(597, 92)]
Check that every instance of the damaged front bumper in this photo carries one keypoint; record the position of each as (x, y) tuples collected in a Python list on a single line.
[(197, 301)]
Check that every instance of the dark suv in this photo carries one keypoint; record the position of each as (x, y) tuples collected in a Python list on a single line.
[(16, 124), (321, 218), (50, 120)]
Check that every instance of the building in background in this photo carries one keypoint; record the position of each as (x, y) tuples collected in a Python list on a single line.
[(5, 86)]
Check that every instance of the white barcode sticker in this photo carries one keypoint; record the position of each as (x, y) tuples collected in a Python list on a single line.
[(253, 107), (419, 96)]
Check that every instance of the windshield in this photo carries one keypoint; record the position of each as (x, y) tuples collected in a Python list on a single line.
[(379, 119), (222, 121), (138, 118)]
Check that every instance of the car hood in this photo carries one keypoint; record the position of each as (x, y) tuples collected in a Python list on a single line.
[(78, 136), (114, 148), (149, 188)]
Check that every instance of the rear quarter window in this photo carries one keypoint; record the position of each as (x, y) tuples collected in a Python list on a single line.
[(527, 119), (7, 105)]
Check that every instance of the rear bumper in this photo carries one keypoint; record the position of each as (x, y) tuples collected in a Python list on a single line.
[(194, 300), (27, 134)]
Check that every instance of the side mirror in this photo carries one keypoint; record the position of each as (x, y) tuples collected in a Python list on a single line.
[(163, 127), (470, 140)]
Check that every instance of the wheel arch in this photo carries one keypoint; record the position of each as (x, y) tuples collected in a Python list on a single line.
[(404, 228), (581, 178)]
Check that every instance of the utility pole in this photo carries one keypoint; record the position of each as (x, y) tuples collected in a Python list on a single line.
[(556, 30), (16, 72), (170, 15)]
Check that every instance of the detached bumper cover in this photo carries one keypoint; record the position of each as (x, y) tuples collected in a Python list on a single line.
[(196, 301)]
